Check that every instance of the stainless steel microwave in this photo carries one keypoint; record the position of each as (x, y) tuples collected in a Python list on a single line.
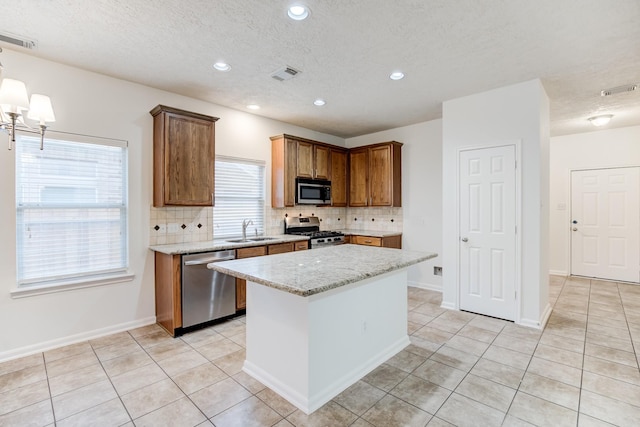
[(313, 191)]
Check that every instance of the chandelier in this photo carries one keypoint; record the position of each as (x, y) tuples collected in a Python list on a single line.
[(14, 102)]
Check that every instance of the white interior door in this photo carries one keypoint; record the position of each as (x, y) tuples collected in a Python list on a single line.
[(488, 231), (605, 228)]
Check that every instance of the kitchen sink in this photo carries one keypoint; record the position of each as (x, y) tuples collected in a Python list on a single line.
[(252, 239)]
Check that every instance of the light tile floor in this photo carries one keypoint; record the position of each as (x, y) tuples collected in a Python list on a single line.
[(461, 369)]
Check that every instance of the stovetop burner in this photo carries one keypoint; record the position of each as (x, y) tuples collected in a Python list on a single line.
[(317, 234), (310, 227)]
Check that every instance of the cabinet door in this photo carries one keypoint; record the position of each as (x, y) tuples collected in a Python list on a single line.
[(284, 158), (280, 248), (302, 246), (305, 160), (322, 162), (241, 284), (366, 240), (338, 178), (358, 177), (189, 162), (380, 176)]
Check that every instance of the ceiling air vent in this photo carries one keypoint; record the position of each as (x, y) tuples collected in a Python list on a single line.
[(286, 73), (619, 89), (18, 40)]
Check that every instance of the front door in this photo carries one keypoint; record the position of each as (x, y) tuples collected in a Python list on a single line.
[(605, 223), (488, 231)]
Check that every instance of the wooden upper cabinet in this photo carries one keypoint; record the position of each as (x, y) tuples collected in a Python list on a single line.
[(305, 166), (183, 157), (322, 162), (339, 177), (376, 175), (284, 161), (313, 161), (359, 177)]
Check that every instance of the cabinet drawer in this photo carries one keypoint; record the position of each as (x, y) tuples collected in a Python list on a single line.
[(280, 248), (366, 240), (251, 252), (301, 246)]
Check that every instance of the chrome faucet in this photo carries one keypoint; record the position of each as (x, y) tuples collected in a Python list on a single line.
[(245, 224)]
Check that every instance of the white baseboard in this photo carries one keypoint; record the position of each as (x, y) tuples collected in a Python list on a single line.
[(558, 273), (538, 324), (72, 339), (448, 305), (429, 286)]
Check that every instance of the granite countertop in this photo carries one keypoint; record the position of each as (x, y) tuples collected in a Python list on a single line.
[(310, 272), (221, 244), (370, 233)]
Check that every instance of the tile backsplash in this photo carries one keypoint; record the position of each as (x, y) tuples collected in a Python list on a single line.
[(194, 224)]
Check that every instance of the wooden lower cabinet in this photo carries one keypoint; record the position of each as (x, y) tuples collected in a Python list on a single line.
[(168, 291), (280, 248), (241, 284), (301, 246), (385, 242)]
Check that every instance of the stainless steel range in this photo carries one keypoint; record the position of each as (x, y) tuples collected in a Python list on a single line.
[(310, 226)]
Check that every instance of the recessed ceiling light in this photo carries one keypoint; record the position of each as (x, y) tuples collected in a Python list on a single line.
[(298, 12), (253, 106), (222, 66), (319, 102), (396, 75), (600, 120)]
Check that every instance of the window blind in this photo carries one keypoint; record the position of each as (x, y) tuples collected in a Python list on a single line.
[(71, 201), (239, 195)]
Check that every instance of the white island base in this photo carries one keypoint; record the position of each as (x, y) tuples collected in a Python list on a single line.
[(309, 349)]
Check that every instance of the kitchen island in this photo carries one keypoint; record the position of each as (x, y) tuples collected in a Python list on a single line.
[(319, 320)]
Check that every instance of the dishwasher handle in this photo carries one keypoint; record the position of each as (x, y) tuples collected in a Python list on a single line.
[(208, 261)]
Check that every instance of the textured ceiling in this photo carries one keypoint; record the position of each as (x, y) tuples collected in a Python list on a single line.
[(346, 50)]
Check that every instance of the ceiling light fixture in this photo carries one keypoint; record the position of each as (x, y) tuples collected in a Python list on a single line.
[(600, 120), (14, 101), (222, 66), (298, 12), (253, 106), (396, 75), (319, 102)]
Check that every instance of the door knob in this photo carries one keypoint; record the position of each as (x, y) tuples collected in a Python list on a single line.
[(575, 229), (464, 239)]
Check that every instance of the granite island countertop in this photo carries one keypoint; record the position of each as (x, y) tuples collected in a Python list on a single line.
[(310, 272), (222, 244)]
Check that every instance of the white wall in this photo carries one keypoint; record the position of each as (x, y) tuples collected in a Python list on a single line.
[(93, 104), (518, 112), (421, 192), (604, 148)]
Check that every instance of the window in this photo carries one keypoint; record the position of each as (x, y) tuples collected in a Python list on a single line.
[(71, 201), (239, 195)]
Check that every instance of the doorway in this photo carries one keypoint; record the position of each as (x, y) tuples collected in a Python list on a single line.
[(487, 224), (605, 223)]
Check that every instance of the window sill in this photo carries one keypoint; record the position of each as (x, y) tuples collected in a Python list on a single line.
[(69, 285)]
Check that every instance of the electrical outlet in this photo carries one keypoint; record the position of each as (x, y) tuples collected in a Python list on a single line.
[(191, 228), (437, 271), (162, 228), (173, 227)]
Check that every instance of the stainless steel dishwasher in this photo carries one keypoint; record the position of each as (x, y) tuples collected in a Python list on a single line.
[(206, 294)]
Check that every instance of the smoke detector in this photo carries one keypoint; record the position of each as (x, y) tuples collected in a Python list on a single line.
[(286, 73), (18, 40), (619, 89)]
